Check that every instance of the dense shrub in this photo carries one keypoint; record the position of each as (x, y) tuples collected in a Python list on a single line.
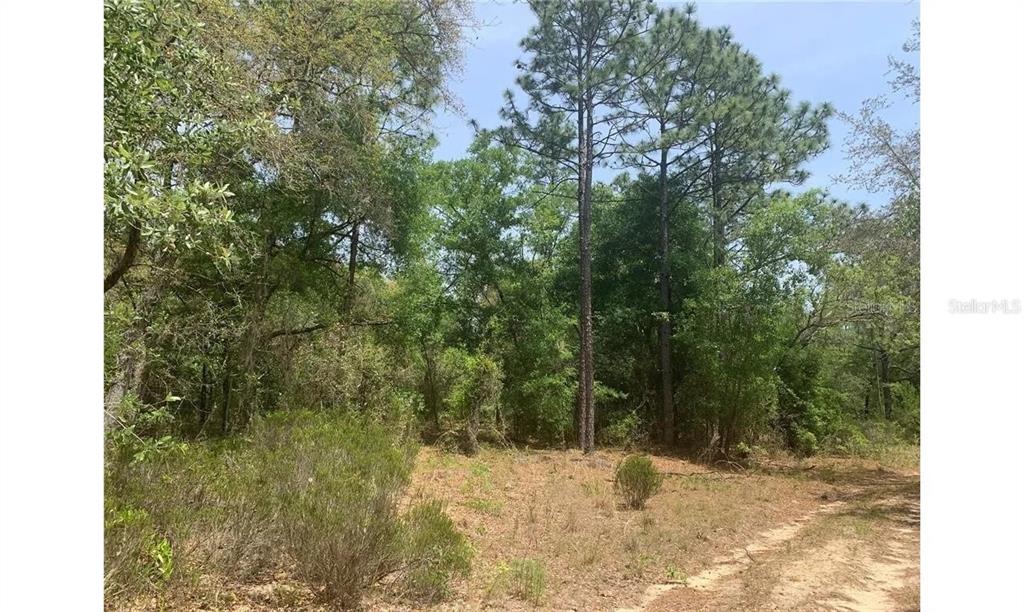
[(622, 432), (907, 400), (539, 388), (434, 552), (731, 353), (344, 367), (318, 492), (636, 480), (541, 408), (129, 553), (846, 439), (473, 394), (806, 442), (750, 453), (337, 483)]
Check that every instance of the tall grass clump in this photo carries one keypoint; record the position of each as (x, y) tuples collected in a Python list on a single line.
[(636, 480), (523, 579)]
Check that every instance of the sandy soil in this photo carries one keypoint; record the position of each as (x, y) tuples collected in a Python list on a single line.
[(818, 534), (560, 509), (857, 554), (823, 534)]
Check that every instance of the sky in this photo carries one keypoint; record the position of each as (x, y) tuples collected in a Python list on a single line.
[(834, 52)]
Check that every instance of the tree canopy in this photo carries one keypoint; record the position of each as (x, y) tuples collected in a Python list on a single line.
[(279, 236)]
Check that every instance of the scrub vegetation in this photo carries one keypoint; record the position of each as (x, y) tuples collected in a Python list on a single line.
[(342, 373)]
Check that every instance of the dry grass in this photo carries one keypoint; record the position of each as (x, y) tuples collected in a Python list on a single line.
[(861, 555), (559, 508)]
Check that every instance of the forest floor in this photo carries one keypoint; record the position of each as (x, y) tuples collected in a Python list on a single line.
[(815, 534)]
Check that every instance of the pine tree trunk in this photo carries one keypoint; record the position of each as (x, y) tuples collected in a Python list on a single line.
[(665, 324), (586, 369)]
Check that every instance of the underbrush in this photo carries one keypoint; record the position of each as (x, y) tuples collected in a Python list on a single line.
[(435, 552), (523, 579), (316, 493), (881, 441)]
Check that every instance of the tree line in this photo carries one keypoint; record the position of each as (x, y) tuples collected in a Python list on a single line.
[(278, 235)]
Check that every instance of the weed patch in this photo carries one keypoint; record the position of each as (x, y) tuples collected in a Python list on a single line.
[(521, 578)]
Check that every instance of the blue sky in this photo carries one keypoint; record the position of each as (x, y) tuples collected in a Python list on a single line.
[(824, 51)]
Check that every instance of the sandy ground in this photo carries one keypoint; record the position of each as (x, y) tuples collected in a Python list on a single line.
[(821, 534), (816, 534), (856, 554)]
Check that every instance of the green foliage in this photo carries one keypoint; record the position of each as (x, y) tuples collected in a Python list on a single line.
[(733, 337), (350, 369), (278, 237), (523, 579), (435, 552), (806, 443), (320, 490), (637, 480), (495, 248), (166, 108), (127, 533), (137, 557), (287, 246), (477, 383), (161, 558), (470, 390), (337, 483), (623, 432)]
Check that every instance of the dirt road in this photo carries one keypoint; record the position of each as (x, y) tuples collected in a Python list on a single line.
[(859, 552)]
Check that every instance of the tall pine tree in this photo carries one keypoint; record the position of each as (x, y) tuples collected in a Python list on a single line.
[(575, 79), (663, 106)]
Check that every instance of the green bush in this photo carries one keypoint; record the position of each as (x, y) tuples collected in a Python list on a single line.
[(806, 442), (846, 439), (344, 368), (315, 491), (521, 578), (636, 480), (434, 552), (337, 483), (753, 455), (622, 432), (539, 387), (474, 393), (128, 533)]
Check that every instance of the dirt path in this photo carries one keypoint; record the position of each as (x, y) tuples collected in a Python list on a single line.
[(858, 553)]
